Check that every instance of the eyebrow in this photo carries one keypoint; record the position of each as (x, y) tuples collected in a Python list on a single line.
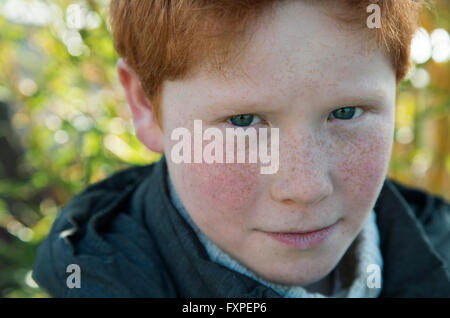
[(371, 92), (363, 97), (225, 107)]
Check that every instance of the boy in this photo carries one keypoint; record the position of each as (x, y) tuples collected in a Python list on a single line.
[(326, 223)]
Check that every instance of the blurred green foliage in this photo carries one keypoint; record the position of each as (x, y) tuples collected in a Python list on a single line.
[(65, 120), (64, 124)]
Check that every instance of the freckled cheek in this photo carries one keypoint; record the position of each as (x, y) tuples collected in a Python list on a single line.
[(363, 167), (228, 188)]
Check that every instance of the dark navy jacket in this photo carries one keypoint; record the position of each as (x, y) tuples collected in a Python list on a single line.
[(129, 241)]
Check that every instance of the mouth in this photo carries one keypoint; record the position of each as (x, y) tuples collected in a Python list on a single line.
[(304, 240)]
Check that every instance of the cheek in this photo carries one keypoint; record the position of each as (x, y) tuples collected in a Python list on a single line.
[(227, 188), (363, 165)]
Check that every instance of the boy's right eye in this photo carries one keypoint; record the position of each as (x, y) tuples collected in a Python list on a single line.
[(244, 120)]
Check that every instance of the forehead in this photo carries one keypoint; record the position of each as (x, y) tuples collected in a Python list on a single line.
[(299, 50)]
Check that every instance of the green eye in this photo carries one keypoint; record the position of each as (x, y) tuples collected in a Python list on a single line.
[(345, 113), (242, 120)]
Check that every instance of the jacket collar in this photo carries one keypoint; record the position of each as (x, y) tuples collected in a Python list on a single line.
[(412, 267)]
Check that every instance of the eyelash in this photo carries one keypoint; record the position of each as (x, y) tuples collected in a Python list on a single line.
[(362, 111)]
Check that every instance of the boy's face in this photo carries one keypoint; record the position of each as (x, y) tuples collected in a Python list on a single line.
[(301, 68)]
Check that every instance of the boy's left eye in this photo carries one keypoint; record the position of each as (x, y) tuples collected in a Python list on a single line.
[(244, 120), (347, 113)]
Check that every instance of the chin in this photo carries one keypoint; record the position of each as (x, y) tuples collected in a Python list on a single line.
[(298, 274)]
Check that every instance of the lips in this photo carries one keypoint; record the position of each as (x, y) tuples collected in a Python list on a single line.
[(304, 240)]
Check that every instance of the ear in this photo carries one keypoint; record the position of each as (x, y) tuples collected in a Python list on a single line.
[(146, 126)]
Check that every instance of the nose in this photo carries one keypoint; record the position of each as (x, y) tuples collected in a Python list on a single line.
[(303, 176)]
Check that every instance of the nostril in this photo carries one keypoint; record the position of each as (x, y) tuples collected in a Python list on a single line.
[(288, 202)]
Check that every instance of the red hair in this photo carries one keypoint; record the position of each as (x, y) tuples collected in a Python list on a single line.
[(164, 40)]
